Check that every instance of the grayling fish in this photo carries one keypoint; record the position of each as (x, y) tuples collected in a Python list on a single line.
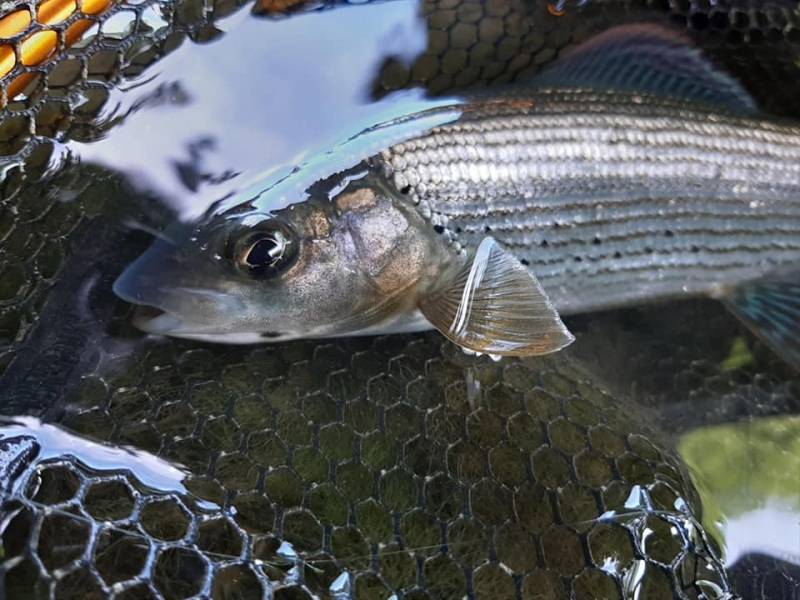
[(629, 171)]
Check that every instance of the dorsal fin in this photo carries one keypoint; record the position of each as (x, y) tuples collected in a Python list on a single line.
[(647, 58)]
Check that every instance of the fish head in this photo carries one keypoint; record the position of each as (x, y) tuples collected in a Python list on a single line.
[(345, 263)]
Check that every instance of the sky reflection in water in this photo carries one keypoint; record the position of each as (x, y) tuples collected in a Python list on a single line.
[(235, 121), (53, 442)]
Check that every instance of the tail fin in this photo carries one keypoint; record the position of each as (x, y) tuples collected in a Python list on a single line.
[(770, 307)]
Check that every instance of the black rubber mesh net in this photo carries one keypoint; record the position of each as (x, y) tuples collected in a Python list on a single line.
[(371, 468), (363, 468)]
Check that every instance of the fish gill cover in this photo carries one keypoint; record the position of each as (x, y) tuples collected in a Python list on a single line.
[(364, 468)]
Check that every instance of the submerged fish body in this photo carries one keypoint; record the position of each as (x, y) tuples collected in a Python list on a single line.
[(609, 198), (630, 171)]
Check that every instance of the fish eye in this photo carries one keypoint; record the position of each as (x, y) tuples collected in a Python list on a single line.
[(266, 251)]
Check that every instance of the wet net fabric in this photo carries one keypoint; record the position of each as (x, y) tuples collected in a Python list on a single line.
[(369, 468), (346, 475)]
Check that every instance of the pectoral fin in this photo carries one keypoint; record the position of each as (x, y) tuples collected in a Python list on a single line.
[(494, 305), (770, 307)]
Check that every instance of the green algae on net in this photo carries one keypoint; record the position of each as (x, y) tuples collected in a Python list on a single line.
[(373, 467)]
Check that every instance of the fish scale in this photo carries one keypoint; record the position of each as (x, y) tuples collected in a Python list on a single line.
[(630, 170), (612, 197)]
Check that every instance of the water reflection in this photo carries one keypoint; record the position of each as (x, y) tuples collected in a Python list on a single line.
[(748, 476), (54, 443), (270, 123)]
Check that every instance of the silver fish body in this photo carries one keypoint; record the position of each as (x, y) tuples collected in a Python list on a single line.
[(630, 171), (611, 198)]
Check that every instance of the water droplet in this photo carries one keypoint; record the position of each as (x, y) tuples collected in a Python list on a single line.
[(608, 517), (473, 388), (287, 551), (340, 587), (646, 533), (610, 566), (682, 506), (638, 499), (294, 575), (633, 579)]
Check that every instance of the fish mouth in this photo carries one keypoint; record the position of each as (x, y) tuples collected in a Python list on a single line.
[(155, 320), (149, 316), (155, 315), (158, 321), (175, 296), (162, 310)]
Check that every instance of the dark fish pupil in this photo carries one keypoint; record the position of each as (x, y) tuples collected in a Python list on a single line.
[(264, 252)]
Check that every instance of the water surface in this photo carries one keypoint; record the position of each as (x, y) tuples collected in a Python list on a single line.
[(387, 467)]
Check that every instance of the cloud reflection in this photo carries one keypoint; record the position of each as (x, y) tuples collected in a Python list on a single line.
[(260, 99)]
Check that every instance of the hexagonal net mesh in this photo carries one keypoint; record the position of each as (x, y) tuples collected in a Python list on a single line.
[(364, 469), (80, 532), (59, 61), (31, 33)]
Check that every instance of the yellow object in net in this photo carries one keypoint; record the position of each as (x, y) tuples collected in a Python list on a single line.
[(42, 41)]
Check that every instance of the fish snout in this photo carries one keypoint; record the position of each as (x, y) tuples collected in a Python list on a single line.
[(172, 296)]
